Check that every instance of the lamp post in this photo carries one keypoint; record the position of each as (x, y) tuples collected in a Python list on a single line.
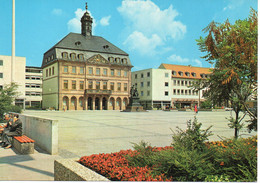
[(13, 44)]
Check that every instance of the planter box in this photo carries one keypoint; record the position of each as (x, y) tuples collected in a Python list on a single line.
[(71, 170)]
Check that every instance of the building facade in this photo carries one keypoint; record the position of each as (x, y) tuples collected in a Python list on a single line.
[(154, 87), (85, 72), (169, 86), (18, 74), (33, 87)]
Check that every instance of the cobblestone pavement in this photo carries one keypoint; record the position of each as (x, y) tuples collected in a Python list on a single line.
[(90, 132)]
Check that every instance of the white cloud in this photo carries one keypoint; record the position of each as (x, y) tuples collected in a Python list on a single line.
[(105, 20), (197, 62), (138, 41), (176, 58), (147, 18), (74, 24), (57, 12)]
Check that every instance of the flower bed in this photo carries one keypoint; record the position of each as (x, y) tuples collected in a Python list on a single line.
[(115, 166), (229, 161)]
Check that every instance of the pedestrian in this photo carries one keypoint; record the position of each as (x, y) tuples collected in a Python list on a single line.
[(196, 109)]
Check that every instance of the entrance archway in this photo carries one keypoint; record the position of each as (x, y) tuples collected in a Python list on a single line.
[(65, 103), (104, 103), (73, 103), (118, 103), (97, 103), (90, 105), (112, 103), (81, 102)]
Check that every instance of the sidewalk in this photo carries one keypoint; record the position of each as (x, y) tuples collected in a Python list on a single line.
[(33, 167)]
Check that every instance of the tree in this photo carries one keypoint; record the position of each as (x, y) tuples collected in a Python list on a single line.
[(233, 49), (7, 96)]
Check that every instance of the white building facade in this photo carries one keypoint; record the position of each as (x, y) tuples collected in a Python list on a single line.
[(169, 86), (154, 87), (33, 87), (19, 76)]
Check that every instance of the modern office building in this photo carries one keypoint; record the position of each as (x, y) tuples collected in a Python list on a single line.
[(182, 78), (169, 86), (85, 72), (18, 76), (33, 87), (154, 87)]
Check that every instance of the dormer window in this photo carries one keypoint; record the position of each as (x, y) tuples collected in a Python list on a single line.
[(81, 57), (174, 73), (193, 74), (73, 56), (110, 59), (64, 55), (187, 74), (52, 57), (202, 75), (180, 73)]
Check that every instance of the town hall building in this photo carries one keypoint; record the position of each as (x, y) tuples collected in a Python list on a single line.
[(85, 72)]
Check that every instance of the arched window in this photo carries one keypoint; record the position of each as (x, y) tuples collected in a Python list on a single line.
[(174, 73), (193, 74), (187, 73), (64, 55), (73, 56), (80, 57), (180, 73)]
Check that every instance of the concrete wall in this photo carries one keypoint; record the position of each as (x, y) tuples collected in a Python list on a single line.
[(43, 131), (71, 170)]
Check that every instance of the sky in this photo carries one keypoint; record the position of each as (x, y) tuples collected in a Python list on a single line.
[(150, 31)]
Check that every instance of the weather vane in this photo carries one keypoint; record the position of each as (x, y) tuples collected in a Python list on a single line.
[(86, 6)]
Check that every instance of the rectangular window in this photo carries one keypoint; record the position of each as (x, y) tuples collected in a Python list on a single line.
[(189, 92), (49, 71), (182, 83), (27, 77), (118, 86), (148, 83), (97, 71), (186, 83), (81, 85), (90, 70), (90, 84), (178, 82), (125, 73), (148, 74), (166, 84), (65, 69), (104, 85), (142, 84), (105, 72), (98, 85), (65, 84), (73, 85), (119, 73), (112, 86), (166, 75), (178, 92), (166, 93), (142, 93), (1, 62), (182, 92), (81, 70), (148, 93), (46, 73), (142, 75), (125, 86), (27, 93), (52, 70), (27, 85), (174, 82), (74, 69), (112, 72), (174, 92), (135, 76)]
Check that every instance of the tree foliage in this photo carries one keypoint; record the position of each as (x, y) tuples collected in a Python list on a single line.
[(7, 96), (233, 50)]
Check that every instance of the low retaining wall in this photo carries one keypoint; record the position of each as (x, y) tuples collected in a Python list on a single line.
[(71, 170), (43, 131)]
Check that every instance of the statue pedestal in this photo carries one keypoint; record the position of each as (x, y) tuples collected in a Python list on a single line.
[(134, 105)]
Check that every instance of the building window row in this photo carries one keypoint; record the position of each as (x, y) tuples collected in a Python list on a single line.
[(182, 83), (188, 74), (143, 94), (28, 77), (72, 56), (184, 92), (147, 74), (148, 84), (49, 71), (73, 69), (105, 72), (94, 85), (117, 60), (27, 93), (32, 85)]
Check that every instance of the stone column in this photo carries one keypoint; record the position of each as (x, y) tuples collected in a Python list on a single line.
[(93, 103), (100, 103)]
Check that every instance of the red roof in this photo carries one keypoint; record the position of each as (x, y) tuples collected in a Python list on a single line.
[(187, 72)]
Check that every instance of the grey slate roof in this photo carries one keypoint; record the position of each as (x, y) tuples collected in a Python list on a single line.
[(89, 43)]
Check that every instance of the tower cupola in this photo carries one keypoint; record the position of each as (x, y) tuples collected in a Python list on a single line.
[(86, 23)]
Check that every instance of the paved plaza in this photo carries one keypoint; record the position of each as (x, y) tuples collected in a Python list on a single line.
[(90, 132)]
